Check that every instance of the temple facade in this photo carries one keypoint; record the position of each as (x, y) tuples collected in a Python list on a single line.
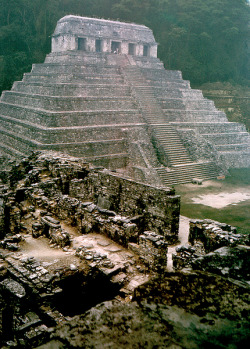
[(98, 35)]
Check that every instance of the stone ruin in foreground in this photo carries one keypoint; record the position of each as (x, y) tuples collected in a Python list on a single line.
[(73, 236), (103, 95)]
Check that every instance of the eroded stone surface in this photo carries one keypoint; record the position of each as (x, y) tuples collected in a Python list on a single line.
[(74, 236)]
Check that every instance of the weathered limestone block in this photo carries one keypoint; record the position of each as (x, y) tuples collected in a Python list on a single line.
[(14, 225), (10, 242), (91, 218), (37, 230), (159, 208), (215, 235), (3, 269), (152, 249), (186, 254), (2, 219), (226, 261), (66, 208), (59, 237)]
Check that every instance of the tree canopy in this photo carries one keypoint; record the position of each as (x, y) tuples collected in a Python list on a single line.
[(206, 40)]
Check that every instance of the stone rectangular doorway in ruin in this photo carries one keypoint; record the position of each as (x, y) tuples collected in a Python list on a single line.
[(145, 50), (115, 47), (82, 44), (131, 49), (98, 45)]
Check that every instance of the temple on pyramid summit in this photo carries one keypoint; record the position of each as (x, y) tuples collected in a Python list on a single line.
[(103, 95)]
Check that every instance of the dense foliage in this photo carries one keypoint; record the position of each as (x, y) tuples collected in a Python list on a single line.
[(205, 39)]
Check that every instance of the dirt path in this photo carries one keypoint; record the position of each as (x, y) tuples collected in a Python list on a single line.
[(183, 239)]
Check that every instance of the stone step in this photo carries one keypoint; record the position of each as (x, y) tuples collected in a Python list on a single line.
[(70, 89), (67, 103), (175, 177), (152, 112), (185, 173), (172, 144)]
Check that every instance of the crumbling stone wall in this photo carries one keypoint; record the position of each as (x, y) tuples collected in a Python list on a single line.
[(214, 235), (94, 200), (156, 208), (152, 249), (215, 247)]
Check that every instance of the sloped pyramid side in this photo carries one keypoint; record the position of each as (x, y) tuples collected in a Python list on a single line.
[(118, 112)]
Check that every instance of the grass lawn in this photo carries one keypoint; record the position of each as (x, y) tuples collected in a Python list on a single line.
[(223, 195)]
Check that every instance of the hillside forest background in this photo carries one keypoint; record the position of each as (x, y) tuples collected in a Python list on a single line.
[(208, 40)]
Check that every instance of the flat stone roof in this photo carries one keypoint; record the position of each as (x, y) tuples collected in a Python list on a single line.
[(76, 25)]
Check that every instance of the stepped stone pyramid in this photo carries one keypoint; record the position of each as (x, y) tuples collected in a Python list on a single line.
[(103, 95)]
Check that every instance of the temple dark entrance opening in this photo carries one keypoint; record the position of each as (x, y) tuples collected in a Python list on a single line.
[(115, 47), (81, 44), (98, 45), (145, 50), (131, 49)]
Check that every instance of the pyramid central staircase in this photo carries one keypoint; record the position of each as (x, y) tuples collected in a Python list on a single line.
[(179, 166)]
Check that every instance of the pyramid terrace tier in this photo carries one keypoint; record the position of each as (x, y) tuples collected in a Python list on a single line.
[(65, 68), (187, 104), (171, 92), (108, 153), (70, 118), (102, 59), (56, 103), (235, 158), (66, 134), (174, 115), (75, 78), (212, 127), (72, 89)]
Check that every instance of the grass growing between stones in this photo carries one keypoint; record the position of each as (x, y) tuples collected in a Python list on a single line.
[(225, 194)]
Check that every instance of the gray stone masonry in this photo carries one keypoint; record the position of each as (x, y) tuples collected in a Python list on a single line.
[(98, 35), (103, 95), (152, 249), (93, 200)]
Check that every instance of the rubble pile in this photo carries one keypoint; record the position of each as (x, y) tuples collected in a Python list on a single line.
[(184, 255), (217, 248), (56, 240), (227, 261), (73, 236), (151, 249), (214, 235)]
